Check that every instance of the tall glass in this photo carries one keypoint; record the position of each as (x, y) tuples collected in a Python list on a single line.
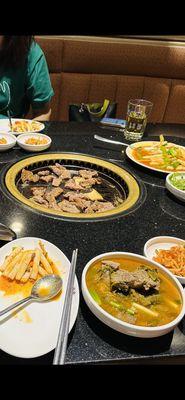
[(138, 111)]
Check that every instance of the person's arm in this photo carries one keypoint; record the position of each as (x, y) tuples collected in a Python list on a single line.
[(39, 89), (42, 114)]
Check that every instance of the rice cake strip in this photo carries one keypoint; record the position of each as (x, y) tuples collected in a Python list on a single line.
[(10, 258), (36, 262), (42, 248), (24, 265), (42, 271), (46, 264), (11, 265), (46, 254), (25, 277), (15, 269)]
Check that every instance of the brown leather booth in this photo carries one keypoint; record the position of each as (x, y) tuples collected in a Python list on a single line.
[(90, 69)]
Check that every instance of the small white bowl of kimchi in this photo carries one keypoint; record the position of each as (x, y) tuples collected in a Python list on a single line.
[(169, 251), (31, 142)]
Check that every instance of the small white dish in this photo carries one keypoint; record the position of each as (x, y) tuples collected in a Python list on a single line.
[(122, 326), (10, 139), (180, 194), (162, 243), (21, 141)]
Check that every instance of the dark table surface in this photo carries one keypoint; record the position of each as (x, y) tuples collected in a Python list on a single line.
[(90, 341)]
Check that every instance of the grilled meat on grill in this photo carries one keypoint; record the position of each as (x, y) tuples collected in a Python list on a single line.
[(66, 190)]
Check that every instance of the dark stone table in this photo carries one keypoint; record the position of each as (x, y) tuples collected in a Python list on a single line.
[(90, 341)]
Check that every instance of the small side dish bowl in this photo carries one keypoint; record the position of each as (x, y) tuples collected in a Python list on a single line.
[(162, 243), (28, 142), (174, 182), (118, 324), (7, 141)]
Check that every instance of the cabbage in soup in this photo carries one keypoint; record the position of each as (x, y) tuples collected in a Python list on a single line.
[(133, 292)]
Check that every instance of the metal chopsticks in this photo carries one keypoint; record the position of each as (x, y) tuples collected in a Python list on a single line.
[(60, 350), (10, 120)]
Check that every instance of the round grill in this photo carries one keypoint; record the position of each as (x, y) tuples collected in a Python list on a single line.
[(115, 182)]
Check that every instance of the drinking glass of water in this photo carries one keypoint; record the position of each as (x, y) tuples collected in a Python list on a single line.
[(138, 111)]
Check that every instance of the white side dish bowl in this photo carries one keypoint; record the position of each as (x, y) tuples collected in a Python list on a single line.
[(11, 141), (122, 326), (21, 139), (180, 194), (162, 243)]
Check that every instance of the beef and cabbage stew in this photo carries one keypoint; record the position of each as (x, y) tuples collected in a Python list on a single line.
[(70, 190), (133, 292)]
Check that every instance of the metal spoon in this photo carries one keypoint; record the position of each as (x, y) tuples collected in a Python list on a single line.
[(44, 289), (6, 233), (102, 139)]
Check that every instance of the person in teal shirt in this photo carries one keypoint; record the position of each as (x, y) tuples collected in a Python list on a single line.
[(24, 79)]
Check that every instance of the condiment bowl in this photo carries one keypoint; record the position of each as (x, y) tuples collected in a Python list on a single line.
[(180, 194), (21, 139), (10, 139), (162, 243), (120, 325)]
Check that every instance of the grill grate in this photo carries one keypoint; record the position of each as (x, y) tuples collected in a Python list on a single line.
[(117, 183)]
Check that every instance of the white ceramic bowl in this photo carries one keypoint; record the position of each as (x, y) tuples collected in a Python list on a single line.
[(21, 139), (124, 327), (162, 243), (11, 141), (180, 194)]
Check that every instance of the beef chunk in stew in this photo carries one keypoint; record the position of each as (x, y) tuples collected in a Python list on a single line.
[(123, 281)]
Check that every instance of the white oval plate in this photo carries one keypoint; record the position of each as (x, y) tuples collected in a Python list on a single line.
[(11, 141), (34, 339), (163, 243), (21, 139), (5, 126), (129, 153)]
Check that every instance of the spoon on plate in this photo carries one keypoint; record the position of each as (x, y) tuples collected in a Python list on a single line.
[(42, 290)]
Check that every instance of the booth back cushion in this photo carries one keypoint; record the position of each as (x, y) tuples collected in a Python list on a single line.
[(92, 69)]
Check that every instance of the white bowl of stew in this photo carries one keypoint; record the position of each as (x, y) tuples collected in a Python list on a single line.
[(133, 313)]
